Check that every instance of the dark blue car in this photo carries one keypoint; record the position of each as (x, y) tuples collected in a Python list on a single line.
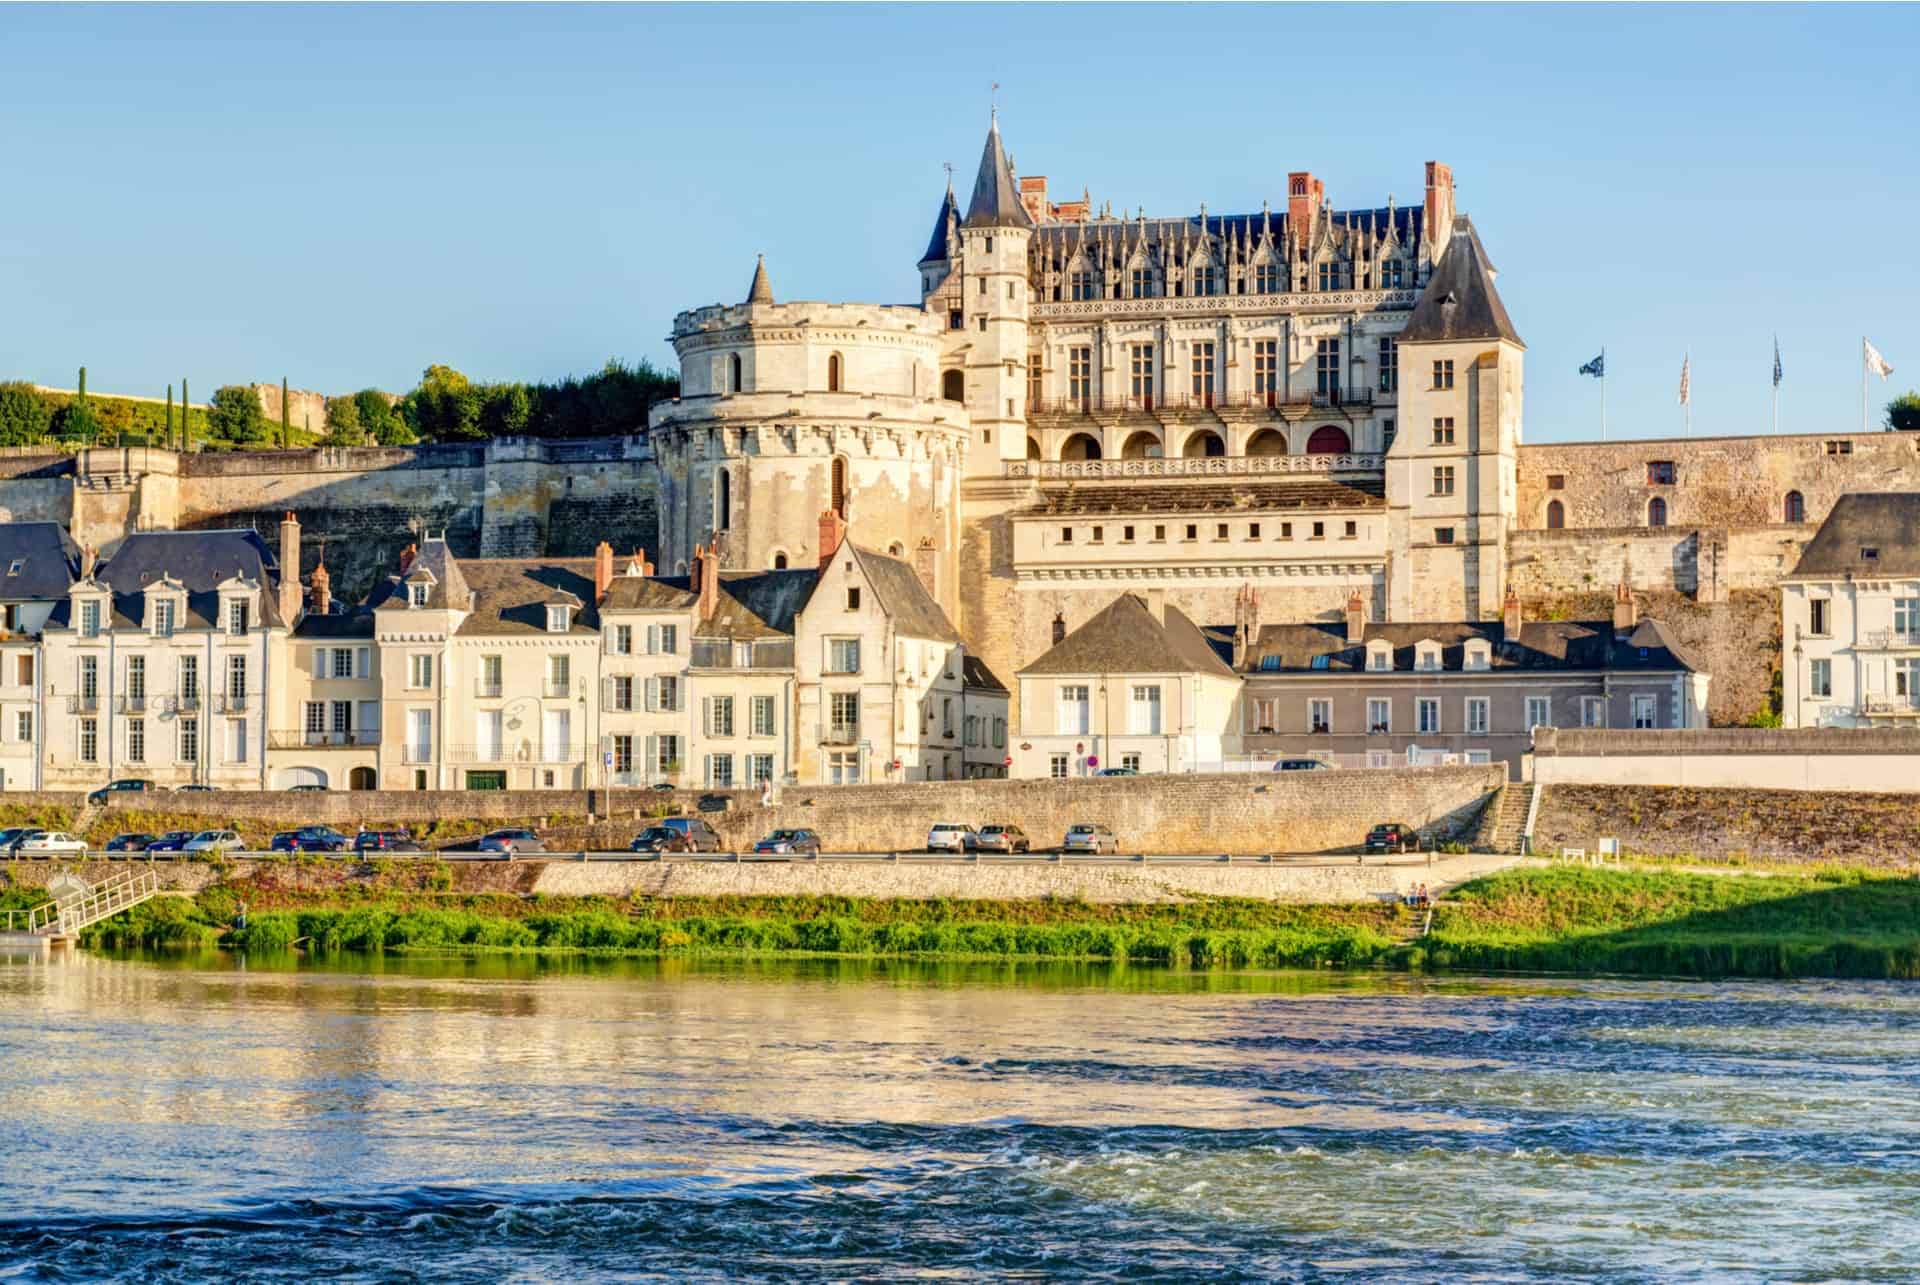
[(310, 838)]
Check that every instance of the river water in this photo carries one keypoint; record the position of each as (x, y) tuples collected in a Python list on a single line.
[(496, 1119)]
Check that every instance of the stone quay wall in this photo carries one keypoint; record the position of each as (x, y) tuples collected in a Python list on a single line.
[(1885, 761), (1785, 827)]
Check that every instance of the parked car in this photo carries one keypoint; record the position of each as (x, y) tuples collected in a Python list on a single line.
[(10, 838), (214, 841), (385, 841), (1300, 765), (948, 836), (700, 836), (511, 842), (1393, 836), (306, 789), (789, 841), (1119, 771), (310, 838), (658, 838), (44, 842), (117, 787), (665, 787), (194, 789), (1089, 838), (130, 842), (172, 841), (1002, 838)]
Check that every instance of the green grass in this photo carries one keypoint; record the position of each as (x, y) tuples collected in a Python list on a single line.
[(1630, 921)]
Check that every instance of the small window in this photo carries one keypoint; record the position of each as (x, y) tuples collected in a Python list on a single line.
[(1319, 530), (1353, 529), (1556, 515), (1795, 507), (1869, 554), (1271, 663), (1443, 535), (13, 567), (1286, 530), (1319, 662), (833, 373), (1443, 374), (1660, 473), (1159, 532), (416, 595), (1066, 535), (1099, 534), (1817, 617), (557, 620), (853, 597), (1220, 531), (1126, 535), (1193, 531), (1657, 511), (1253, 530), (1556, 481)]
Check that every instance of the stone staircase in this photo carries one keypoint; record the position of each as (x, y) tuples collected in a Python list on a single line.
[(1510, 819)]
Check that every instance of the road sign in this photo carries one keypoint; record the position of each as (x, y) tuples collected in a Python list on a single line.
[(609, 758)]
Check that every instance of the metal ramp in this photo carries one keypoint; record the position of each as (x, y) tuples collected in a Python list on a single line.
[(77, 904)]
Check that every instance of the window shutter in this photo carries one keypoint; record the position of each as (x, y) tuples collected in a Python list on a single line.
[(706, 714), (319, 662), (653, 639), (362, 659), (646, 767), (651, 697)]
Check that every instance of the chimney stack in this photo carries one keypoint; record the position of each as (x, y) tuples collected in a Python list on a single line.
[(321, 602), (407, 555), (1059, 629), (1246, 624), (1356, 617), (833, 529), (706, 577), (1304, 195), (289, 568), (1625, 616), (638, 565), (1510, 614), (1439, 211), (923, 565), (1156, 600), (602, 572)]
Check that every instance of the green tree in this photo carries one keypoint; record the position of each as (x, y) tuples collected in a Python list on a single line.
[(76, 424), (116, 417), (379, 420), (343, 422), (26, 416), (1903, 413), (234, 415)]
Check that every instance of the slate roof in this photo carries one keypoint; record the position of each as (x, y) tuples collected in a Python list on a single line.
[(200, 560), (760, 290), (1540, 645), (511, 595), (1060, 240), (975, 674), (1222, 498), (746, 605), (1460, 301), (904, 598), (434, 566), (646, 593), (937, 243), (49, 560), (1124, 638), (996, 197), (357, 623), (1887, 522)]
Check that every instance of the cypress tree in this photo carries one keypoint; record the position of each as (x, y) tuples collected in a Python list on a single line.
[(186, 412), (284, 440), (83, 385), (167, 441)]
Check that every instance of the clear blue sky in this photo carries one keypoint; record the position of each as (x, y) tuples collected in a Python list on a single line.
[(344, 194)]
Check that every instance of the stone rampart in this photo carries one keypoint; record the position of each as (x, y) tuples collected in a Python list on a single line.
[(1740, 824), (1841, 760)]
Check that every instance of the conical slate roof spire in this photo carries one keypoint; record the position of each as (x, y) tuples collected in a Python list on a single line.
[(1460, 301), (937, 243), (996, 198), (761, 291)]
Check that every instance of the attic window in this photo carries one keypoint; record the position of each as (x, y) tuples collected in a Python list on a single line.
[(1273, 662), (1869, 555), (14, 567), (1318, 662), (1380, 658), (557, 619), (416, 595)]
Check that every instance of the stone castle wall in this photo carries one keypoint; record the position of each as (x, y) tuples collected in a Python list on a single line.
[(307, 410)]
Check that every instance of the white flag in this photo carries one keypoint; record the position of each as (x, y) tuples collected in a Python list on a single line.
[(1686, 371), (1876, 364)]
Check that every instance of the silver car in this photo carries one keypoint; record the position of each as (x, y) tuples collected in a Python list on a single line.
[(949, 837), (1090, 838)]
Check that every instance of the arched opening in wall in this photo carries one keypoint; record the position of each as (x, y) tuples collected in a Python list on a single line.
[(1142, 446), (833, 373), (723, 501), (1656, 511), (1556, 515), (1081, 446), (1033, 449), (733, 374), (1204, 444), (361, 778), (779, 562), (1268, 441), (1795, 509), (680, 567), (1329, 440), (896, 550), (838, 498), (953, 386), (293, 776)]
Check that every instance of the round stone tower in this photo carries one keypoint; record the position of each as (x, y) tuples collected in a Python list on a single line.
[(788, 411)]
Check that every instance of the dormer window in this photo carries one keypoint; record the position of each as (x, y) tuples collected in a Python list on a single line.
[(90, 619), (417, 595), (1379, 657), (163, 618), (1478, 655), (238, 617), (1427, 656), (16, 566), (558, 619)]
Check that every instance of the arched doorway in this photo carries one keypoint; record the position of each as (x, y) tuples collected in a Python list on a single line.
[(1556, 515), (1656, 512), (1795, 509), (953, 386), (833, 373), (1205, 444), (1033, 449), (1081, 446), (1268, 441), (361, 778), (1141, 446), (1329, 440), (292, 776)]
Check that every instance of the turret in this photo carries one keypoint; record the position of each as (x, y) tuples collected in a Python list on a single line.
[(996, 234)]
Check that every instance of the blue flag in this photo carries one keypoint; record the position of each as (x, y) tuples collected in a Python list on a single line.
[(1598, 367), (1776, 361)]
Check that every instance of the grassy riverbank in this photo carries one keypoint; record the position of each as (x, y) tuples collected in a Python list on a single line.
[(1838, 923)]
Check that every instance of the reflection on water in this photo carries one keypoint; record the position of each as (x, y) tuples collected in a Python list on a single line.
[(474, 1118)]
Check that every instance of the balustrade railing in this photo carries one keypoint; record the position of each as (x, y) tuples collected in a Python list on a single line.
[(297, 739), (1889, 638), (1201, 466)]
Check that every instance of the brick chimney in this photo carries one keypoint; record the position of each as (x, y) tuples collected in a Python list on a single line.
[(1059, 629), (1439, 211), (1304, 194), (602, 572), (1246, 623), (1625, 616), (923, 565), (706, 576), (289, 568), (1033, 195), (320, 602), (1356, 617), (638, 564), (407, 555), (1510, 614), (833, 529)]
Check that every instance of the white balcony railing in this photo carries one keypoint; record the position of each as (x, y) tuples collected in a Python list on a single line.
[(1204, 466)]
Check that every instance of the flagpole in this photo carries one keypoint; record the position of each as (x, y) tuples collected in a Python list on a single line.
[(1863, 383), (1603, 392)]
